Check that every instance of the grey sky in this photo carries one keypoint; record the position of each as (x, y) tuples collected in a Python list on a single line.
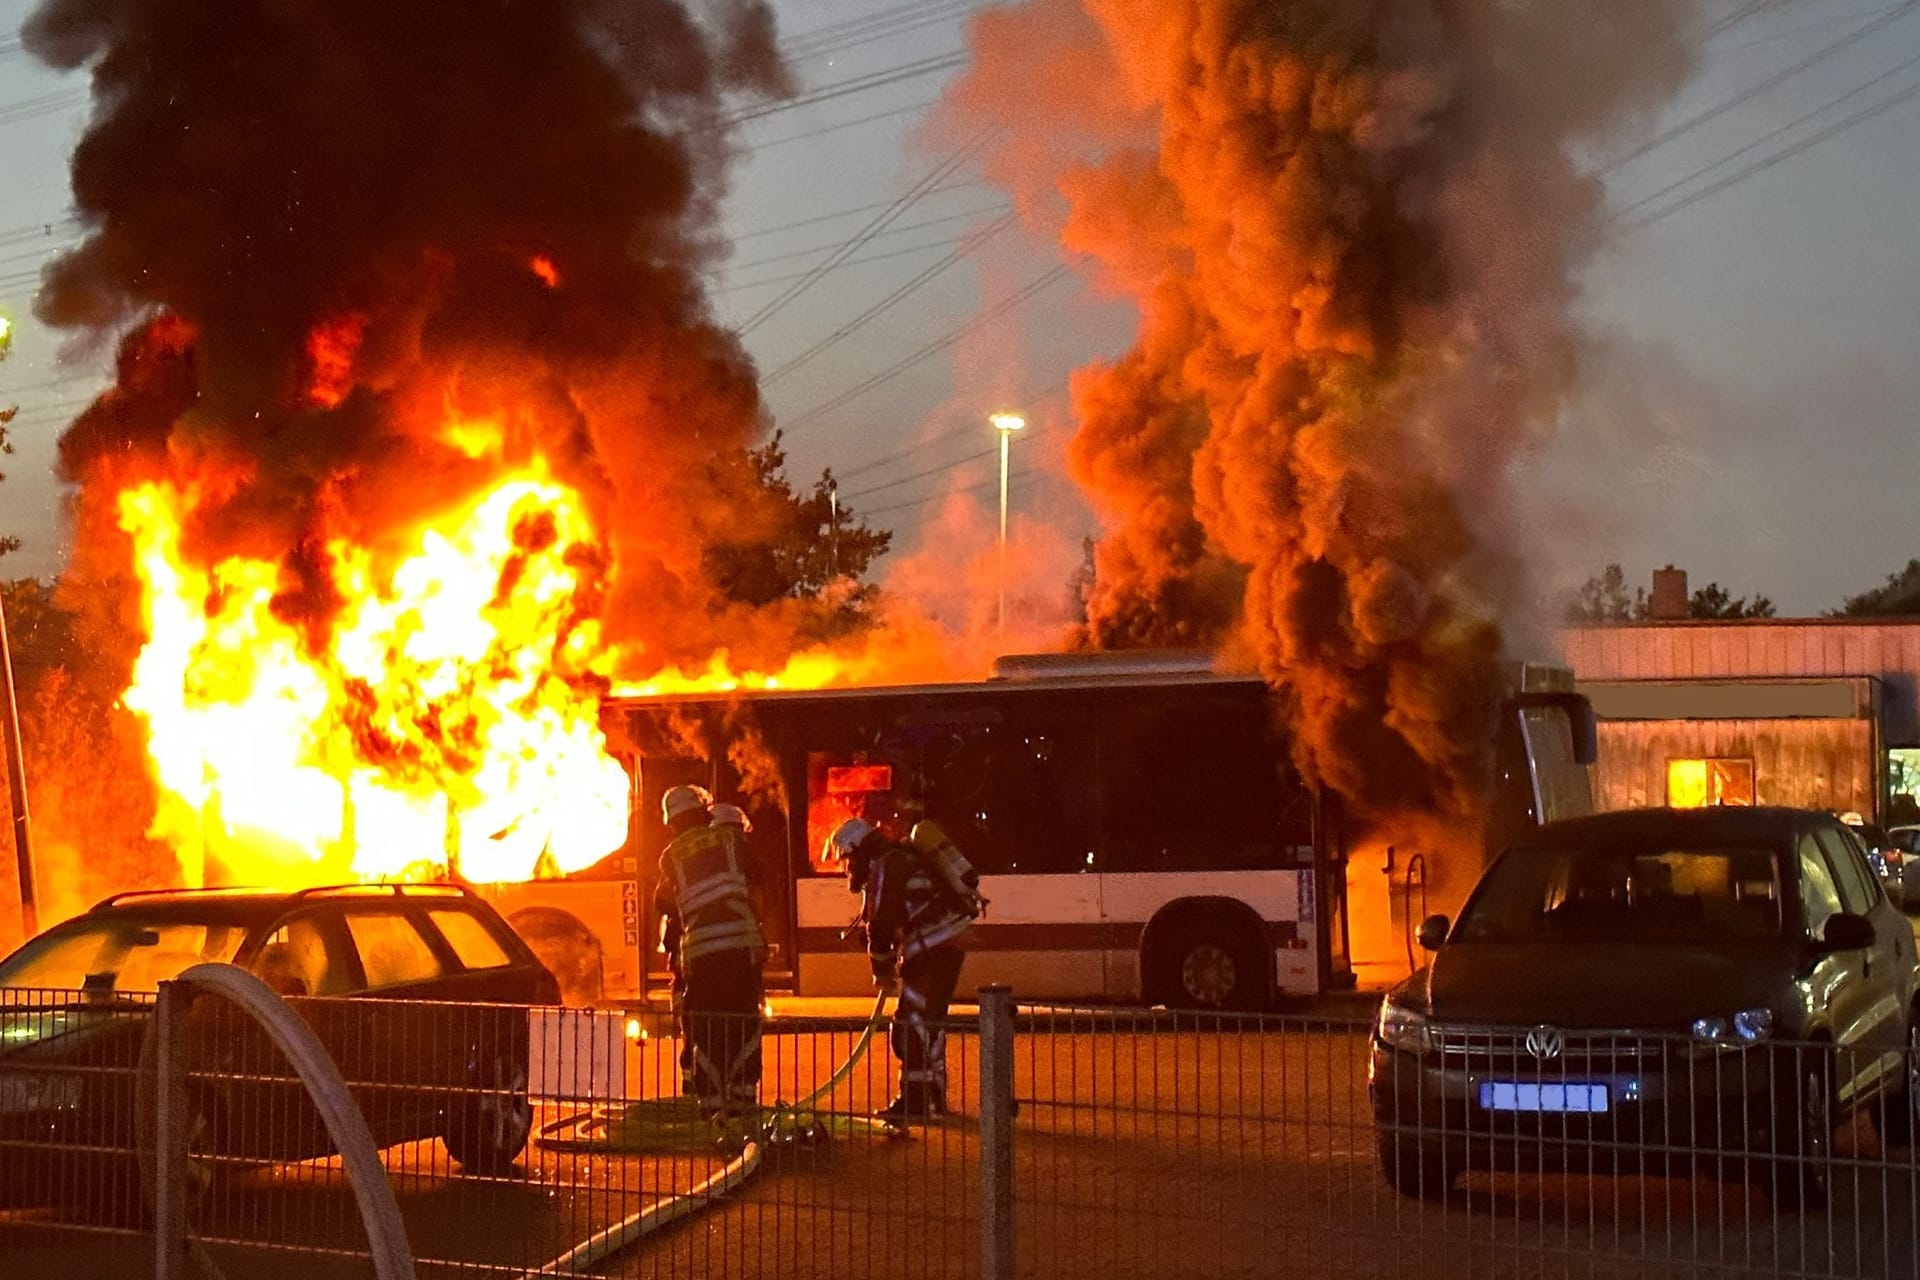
[(1751, 417)]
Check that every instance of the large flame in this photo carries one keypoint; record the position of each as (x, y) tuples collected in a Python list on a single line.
[(452, 719)]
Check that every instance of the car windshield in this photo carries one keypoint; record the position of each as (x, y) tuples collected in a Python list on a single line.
[(1626, 895), (117, 953)]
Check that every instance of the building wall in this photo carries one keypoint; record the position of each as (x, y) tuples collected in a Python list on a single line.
[(1776, 649), (1809, 764)]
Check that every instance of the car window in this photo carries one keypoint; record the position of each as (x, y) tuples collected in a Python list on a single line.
[(1854, 878), (392, 950), (1623, 894), (1819, 895), (473, 944), (302, 957), (118, 953)]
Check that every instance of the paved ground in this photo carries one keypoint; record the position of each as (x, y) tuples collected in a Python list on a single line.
[(1144, 1149)]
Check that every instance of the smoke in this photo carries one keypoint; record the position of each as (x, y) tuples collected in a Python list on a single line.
[(1351, 229), (323, 230)]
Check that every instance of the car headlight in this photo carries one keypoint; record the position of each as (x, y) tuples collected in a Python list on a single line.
[(1402, 1028), (1749, 1026)]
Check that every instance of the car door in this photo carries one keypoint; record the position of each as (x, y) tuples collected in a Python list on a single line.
[(1888, 964), (1841, 993), (405, 1040)]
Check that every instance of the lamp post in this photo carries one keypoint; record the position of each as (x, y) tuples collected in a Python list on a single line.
[(1006, 424), (833, 527)]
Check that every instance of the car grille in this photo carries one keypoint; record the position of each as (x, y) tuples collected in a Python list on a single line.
[(1582, 1052)]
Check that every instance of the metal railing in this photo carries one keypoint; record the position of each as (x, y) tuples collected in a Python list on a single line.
[(1083, 1142)]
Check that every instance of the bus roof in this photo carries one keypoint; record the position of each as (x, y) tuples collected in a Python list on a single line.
[(1140, 668)]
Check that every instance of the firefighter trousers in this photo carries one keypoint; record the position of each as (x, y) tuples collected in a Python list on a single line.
[(720, 1029), (919, 1037)]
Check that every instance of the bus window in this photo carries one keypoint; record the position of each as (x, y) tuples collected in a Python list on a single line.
[(1042, 819), (840, 785), (1196, 783)]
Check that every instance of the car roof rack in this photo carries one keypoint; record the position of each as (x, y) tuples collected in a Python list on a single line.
[(432, 889), (389, 888)]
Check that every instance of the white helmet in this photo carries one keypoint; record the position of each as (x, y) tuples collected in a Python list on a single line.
[(847, 837), (679, 800), (731, 815)]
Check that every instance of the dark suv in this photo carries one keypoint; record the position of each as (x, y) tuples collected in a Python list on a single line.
[(1652, 987), (75, 1005)]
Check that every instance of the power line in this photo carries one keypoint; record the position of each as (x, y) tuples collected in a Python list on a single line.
[(967, 429), (899, 295), (903, 229), (860, 261), (1773, 81), (1623, 215), (922, 475), (1806, 28), (1017, 473), (857, 84), (823, 41), (1036, 286), (906, 200), (784, 139), (45, 105), (1765, 163)]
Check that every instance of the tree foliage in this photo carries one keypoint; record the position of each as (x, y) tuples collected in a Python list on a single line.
[(1605, 598), (791, 545), (1897, 597)]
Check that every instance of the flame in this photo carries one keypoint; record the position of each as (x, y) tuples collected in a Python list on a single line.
[(543, 267), (451, 720)]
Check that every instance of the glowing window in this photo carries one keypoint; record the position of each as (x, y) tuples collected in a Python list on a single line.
[(1698, 784)]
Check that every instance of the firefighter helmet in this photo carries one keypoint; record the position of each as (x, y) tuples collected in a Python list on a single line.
[(731, 815), (679, 800), (847, 837)]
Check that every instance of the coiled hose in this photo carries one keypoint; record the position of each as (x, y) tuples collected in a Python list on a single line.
[(661, 1125)]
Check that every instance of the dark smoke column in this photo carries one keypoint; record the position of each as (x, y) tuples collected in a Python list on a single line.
[(319, 229), (1351, 228)]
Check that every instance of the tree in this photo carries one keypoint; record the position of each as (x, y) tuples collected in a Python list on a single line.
[(1715, 601), (1604, 598), (1898, 597), (793, 545), (1080, 584)]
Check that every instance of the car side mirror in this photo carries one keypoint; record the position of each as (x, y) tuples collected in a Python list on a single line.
[(1847, 932), (1433, 932)]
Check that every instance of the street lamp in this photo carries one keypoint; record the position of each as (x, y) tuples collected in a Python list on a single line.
[(1006, 424)]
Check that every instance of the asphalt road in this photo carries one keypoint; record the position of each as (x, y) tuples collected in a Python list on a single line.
[(1145, 1150)]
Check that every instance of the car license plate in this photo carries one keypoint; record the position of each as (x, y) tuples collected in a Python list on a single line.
[(1559, 1097)]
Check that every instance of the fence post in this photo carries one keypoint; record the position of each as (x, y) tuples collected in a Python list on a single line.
[(996, 1133), (171, 1122)]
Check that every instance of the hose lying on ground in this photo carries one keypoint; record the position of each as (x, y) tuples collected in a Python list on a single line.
[(677, 1124)]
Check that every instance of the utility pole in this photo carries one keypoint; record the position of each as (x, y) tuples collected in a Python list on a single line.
[(10, 731)]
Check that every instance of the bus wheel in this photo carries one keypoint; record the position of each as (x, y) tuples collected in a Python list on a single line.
[(1210, 964)]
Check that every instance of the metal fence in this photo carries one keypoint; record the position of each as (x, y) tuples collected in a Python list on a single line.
[(1084, 1142)]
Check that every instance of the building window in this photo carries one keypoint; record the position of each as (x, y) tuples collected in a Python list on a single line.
[(1696, 784)]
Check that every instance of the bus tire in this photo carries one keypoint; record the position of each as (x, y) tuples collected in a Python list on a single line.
[(567, 948), (1209, 962)]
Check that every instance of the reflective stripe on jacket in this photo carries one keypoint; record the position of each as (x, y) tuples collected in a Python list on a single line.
[(702, 883), (906, 913)]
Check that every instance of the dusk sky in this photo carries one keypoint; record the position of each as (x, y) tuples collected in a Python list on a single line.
[(1748, 415)]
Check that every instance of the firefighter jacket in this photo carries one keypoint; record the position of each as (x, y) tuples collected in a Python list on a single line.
[(704, 887), (906, 909)]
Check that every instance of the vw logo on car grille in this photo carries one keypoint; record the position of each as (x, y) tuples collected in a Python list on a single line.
[(1545, 1043)]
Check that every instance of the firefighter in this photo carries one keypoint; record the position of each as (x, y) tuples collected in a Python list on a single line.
[(703, 895), (913, 920)]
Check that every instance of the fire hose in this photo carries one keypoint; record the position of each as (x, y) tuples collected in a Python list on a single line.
[(677, 1124)]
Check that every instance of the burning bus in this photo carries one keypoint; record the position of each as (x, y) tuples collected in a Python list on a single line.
[(1139, 825)]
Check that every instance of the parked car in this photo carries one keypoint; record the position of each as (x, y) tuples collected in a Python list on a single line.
[(1884, 854), (75, 1004), (1717, 986)]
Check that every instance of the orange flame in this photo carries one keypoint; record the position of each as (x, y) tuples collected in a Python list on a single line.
[(543, 267), (451, 721)]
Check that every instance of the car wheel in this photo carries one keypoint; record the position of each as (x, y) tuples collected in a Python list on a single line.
[(1895, 1116), (488, 1125), (1804, 1122), (1415, 1169), (1211, 964)]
